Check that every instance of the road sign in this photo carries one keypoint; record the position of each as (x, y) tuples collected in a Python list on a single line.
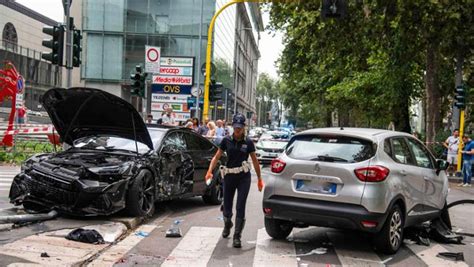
[(152, 59), (195, 92), (20, 85), (19, 100), (213, 69)]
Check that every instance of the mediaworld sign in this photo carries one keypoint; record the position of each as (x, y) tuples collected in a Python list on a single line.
[(175, 80)]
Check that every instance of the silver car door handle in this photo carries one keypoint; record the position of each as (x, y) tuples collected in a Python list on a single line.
[(426, 178), (402, 172)]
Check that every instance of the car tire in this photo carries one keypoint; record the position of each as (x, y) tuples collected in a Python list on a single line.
[(278, 229), (214, 195), (141, 195), (390, 237)]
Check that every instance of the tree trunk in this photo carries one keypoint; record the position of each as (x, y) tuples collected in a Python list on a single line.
[(402, 114), (433, 99)]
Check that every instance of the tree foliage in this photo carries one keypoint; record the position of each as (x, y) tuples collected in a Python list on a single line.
[(370, 66)]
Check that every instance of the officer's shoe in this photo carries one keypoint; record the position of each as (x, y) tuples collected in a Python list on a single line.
[(239, 226), (227, 226)]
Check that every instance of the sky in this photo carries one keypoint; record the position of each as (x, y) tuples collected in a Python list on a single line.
[(270, 43)]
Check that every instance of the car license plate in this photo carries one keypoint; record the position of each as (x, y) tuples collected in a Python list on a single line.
[(323, 188), (273, 155)]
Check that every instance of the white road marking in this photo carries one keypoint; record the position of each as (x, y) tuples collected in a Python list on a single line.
[(274, 253), (428, 255), (353, 256), (196, 248)]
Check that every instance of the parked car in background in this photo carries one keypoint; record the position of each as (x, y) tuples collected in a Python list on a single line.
[(371, 180), (114, 161), (269, 149), (275, 135), (255, 133)]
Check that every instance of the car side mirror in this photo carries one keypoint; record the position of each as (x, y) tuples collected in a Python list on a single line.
[(441, 164)]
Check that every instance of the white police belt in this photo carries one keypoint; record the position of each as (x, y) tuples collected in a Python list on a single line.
[(244, 168)]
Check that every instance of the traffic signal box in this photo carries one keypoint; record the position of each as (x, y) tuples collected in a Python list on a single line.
[(56, 44), (216, 91), (460, 97), (138, 82), (76, 48)]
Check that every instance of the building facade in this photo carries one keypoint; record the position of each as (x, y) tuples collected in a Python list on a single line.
[(116, 33), (21, 43)]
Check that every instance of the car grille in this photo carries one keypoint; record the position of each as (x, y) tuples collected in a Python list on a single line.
[(270, 150), (40, 189)]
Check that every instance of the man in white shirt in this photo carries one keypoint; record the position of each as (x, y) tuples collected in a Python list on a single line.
[(452, 145), (168, 117)]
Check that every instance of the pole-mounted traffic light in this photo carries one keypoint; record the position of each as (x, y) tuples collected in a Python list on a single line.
[(76, 48), (460, 97), (215, 91), (56, 44), (138, 82)]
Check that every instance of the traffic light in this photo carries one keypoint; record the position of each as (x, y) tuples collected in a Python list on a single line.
[(76, 48), (215, 91), (56, 44), (460, 97), (334, 9), (138, 82)]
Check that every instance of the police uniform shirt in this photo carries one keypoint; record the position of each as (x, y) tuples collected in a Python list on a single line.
[(237, 151)]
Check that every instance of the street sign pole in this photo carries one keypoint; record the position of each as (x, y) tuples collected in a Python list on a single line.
[(67, 8)]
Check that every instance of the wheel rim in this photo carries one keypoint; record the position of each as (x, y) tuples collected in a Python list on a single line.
[(146, 194), (395, 229)]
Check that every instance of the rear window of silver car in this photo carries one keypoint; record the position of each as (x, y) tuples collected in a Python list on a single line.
[(332, 148)]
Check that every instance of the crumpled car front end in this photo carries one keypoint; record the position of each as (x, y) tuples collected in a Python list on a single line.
[(74, 183)]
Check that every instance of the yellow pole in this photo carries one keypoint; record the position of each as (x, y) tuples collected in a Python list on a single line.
[(207, 81), (461, 133)]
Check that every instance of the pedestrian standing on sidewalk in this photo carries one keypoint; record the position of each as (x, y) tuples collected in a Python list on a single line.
[(468, 159), (452, 144), (236, 176)]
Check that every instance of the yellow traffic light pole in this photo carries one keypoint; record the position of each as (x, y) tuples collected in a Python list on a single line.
[(207, 81), (461, 133)]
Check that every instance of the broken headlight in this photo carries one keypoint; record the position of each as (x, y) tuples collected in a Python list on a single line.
[(111, 170)]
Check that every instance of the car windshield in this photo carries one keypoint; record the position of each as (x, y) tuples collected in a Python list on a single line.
[(102, 142), (330, 148), (274, 135), (273, 144)]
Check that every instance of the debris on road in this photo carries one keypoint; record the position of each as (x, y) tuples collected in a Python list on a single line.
[(26, 218), (44, 255), (90, 236), (459, 256), (141, 234), (173, 232)]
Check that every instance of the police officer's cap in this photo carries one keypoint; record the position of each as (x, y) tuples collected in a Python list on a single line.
[(238, 121)]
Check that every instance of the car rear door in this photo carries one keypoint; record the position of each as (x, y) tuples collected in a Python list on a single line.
[(433, 182), (201, 151), (406, 168)]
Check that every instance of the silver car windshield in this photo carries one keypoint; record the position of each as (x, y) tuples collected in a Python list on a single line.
[(330, 148)]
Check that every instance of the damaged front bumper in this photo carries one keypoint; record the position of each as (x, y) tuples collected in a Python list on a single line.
[(36, 191)]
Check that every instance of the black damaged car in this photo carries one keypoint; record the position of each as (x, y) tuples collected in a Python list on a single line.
[(114, 161)]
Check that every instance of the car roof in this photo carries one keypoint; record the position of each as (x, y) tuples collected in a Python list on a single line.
[(361, 132)]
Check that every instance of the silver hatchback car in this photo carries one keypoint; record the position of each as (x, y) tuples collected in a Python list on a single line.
[(372, 180)]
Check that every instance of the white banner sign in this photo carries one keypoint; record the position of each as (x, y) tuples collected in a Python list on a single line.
[(152, 59), (19, 100), (175, 80), (169, 98), (178, 116), (177, 61)]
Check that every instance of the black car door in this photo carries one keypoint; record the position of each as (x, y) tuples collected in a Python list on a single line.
[(201, 151), (176, 166)]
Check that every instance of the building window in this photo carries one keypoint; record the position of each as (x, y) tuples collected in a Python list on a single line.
[(10, 37), (104, 56)]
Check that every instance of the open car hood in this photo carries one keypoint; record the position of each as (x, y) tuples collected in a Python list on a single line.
[(80, 111)]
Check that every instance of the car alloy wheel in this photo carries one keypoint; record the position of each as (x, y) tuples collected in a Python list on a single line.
[(146, 194), (395, 229)]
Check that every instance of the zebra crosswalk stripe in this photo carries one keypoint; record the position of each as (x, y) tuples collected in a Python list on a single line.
[(196, 248), (273, 253)]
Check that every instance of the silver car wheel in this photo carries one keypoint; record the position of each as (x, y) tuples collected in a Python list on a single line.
[(395, 229)]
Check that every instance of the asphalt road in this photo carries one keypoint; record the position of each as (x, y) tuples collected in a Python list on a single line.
[(201, 244)]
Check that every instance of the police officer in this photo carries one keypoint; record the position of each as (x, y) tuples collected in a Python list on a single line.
[(236, 176)]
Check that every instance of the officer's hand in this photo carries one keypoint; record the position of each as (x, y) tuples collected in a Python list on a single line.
[(260, 184), (208, 178)]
